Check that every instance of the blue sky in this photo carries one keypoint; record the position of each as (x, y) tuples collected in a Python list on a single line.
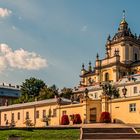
[(50, 39)]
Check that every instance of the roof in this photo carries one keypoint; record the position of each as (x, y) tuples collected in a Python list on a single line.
[(36, 103)]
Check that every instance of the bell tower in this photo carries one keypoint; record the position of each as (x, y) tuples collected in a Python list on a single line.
[(125, 42)]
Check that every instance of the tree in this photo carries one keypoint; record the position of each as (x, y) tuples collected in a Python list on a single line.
[(30, 89), (66, 93), (48, 92), (110, 90), (28, 122)]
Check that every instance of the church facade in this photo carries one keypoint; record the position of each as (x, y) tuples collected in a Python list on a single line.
[(121, 62), (121, 69), (122, 57)]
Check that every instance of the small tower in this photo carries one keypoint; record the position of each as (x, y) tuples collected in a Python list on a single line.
[(123, 24), (90, 67), (97, 60), (97, 56), (83, 69), (108, 39)]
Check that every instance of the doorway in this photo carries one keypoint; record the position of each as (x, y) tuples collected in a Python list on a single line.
[(93, 115)]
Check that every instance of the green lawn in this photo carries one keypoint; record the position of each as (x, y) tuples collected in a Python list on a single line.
[(67, 134)]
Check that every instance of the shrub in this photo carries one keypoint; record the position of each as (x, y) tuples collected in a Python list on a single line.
[(64, 120), (105, 117), (77, 119)]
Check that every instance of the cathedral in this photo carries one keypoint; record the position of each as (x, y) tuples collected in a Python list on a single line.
[(122, 58)]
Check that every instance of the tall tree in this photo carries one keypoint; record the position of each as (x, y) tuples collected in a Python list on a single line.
[(30, 89), (66, 93), (48, 92)]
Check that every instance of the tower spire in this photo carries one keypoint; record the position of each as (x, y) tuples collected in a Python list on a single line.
[(89, 67), (123, 14)]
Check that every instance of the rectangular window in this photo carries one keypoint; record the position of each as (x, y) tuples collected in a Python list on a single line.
[(37, 114), (18, 116), (44, 114), (12, 118), (27, 115), (135, 90), (50, 112), (64, 112), (132, 107), (54, 113), (5, 117)]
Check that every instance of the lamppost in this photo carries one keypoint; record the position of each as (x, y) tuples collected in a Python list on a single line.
[(86, 96)]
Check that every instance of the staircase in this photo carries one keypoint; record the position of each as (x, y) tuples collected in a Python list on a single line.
[(108, 133)]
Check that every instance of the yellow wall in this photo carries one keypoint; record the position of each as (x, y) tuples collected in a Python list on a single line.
[(119, 109), (80, 108), (32, 115)]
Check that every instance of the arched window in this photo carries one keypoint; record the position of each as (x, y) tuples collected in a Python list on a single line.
[(136, 57), (106, 76)]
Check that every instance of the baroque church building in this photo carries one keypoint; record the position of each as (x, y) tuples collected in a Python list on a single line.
[(122, 58)]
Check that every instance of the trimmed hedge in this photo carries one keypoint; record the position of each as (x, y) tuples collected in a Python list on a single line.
[(65, 120), (105, 117), (77, 119)]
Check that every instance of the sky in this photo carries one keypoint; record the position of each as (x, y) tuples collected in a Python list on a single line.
[(50, 39)]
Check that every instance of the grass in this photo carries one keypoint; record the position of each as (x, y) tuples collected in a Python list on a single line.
[(65, 134)]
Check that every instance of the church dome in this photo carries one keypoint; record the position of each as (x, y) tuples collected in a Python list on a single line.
[(123, 30)]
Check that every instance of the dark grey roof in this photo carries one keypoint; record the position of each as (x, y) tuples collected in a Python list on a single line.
[(36, 103)]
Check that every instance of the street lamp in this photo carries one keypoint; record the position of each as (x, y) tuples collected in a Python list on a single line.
[(86, 96)]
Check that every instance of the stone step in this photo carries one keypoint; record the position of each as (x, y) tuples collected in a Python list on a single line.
[(108, 130), (110, 136)]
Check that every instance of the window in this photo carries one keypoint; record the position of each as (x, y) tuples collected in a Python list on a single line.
[(54, 113), (27, 115), (95, 95), (123, 74), (44, 114), (12, 118), (18, 116), (50, 112), (37, 114), (135, 89), (106, 76), (132, 107), (136, 57), (5, 117), (64, 112)]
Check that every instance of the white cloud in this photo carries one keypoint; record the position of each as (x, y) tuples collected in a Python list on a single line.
[(13, 27), (4, 12), (20, 59), (84, 28)]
